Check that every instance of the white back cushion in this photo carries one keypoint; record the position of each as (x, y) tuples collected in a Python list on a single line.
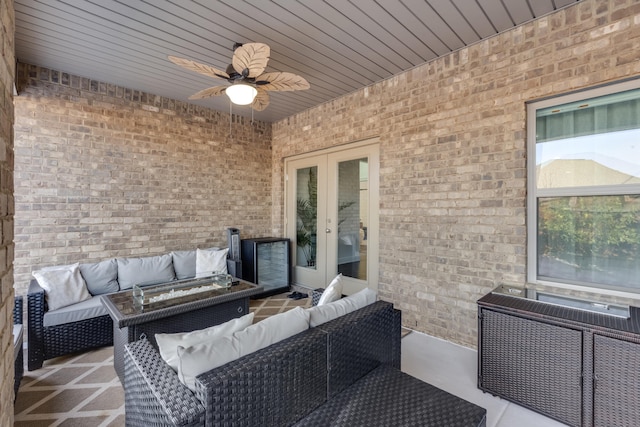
[(168, 343), (322, 314), (62, 285), (204, 357)]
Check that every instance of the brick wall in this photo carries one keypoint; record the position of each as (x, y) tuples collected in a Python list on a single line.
[(453, 155), (7, 72), (104, 171)]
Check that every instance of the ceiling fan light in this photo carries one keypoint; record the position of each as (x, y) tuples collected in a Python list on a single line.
[(241, 94)]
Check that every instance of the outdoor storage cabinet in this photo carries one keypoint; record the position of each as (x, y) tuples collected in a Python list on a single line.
[(579, 367)]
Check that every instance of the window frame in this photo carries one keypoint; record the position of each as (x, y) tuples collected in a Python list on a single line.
[(533, 194)]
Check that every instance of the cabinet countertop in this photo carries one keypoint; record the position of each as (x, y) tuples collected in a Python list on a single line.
[(567, 315)]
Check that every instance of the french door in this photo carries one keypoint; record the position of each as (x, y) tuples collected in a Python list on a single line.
[(331, 216)]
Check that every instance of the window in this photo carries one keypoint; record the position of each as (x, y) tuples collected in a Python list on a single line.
[(584, 189)]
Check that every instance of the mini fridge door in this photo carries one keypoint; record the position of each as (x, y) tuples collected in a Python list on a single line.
[(266, 262)]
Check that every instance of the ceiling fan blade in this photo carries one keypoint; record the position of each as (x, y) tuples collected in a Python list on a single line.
[(209, 92), (261, 101), (199, 68), (251, 56), (282, 81)]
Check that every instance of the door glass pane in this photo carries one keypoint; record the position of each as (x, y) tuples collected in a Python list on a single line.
[(353, 216), (306, 216)]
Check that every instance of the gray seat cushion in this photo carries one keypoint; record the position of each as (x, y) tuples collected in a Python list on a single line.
[(145, 270), (101, 277), (83, 310)]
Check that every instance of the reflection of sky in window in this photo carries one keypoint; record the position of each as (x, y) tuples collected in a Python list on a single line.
[(616, 150)]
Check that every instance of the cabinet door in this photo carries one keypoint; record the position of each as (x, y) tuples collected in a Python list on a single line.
[(616, 369), (531, 363)]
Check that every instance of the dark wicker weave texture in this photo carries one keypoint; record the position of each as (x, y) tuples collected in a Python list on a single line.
[(315, 296), (533, 364), (47, 343), (18, 306), (616, 382), (153, 393), (576, 366), (274, 387), (360, 341), (388, 397), (19, 358)]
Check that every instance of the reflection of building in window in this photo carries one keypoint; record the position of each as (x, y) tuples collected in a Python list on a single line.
[(578, 172)]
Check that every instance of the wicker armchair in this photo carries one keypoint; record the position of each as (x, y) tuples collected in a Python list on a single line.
[(45, 343)]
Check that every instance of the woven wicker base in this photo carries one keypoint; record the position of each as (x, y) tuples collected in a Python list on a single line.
[(389, 397)]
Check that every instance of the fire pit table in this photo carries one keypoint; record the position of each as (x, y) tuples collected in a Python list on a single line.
[(178, 306)]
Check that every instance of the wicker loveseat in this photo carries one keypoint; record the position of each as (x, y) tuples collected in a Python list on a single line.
[(86, 325), (344, 372)]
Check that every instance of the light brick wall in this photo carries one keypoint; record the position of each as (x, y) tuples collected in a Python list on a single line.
[(7, 72), (104, 171), (453, 155)]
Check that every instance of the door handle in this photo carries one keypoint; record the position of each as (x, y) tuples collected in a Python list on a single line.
[(327, 230)]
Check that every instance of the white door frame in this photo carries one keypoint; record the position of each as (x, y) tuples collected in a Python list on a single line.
[(366, 148)]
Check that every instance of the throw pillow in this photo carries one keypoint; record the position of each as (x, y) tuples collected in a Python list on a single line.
[(322, 314), (333, 291), (208, 261), (62, 285), (184, 263), (204, 357), (101, 277), (168, 343)]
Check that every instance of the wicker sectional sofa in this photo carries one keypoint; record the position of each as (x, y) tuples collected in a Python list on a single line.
[(86, 325), (344, 372)]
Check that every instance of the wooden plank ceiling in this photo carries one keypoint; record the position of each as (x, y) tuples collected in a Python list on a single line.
[(339, 46)]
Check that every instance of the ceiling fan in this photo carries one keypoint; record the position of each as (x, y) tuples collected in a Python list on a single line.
[(249, 83)]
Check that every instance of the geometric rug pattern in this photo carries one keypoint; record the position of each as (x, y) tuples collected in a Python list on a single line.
[(83, 389), (76, 390)]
